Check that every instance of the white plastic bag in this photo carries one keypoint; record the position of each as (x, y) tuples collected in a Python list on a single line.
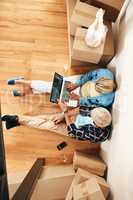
[(96, 33)]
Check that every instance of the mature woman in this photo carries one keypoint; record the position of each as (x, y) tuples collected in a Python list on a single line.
[(89, 124), (82, 123), (97, 87)]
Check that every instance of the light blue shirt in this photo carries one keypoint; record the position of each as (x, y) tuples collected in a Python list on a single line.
[(82, 121), (106, 99)]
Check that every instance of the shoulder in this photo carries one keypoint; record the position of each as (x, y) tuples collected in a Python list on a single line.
[(109, 94), (103, 99), (102, 72), (98, 134)]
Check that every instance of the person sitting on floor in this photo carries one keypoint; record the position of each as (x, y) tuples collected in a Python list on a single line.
[(97, 87), (88, 124)]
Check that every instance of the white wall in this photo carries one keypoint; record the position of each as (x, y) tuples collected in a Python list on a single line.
[(118, 152)]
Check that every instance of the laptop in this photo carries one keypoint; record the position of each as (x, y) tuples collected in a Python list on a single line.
[(60, 92)]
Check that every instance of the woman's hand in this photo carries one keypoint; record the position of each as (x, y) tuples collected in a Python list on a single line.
[(74, 96), (71, 86)]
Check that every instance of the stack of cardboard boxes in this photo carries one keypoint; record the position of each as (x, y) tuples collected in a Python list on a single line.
[(82, 16), (111, 7), (88, 182)]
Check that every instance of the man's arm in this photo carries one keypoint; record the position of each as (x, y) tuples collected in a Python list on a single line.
[(68, 113), (73, 112), (89, 132), (68, 119)]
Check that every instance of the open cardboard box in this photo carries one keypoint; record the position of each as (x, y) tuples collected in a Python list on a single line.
[(112, 7), (100, 55), (83, 175), (83, 16), (88, 190)]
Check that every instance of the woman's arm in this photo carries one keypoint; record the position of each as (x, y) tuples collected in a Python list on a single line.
[(101, 100), (86, 77), (94, 75)]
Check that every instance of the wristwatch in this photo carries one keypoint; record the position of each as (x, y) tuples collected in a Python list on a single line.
[(64, 111)]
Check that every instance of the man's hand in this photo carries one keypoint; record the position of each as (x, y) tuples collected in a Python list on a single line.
[(58, 118), (74, 96), (63, 106), (71, 86)]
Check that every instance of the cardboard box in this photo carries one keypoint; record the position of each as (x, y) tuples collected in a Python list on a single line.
[(83, 16), (71, 62), (99, 55), (70, 7), (88, 162), (82, 176), (88, 190), (111, 7)]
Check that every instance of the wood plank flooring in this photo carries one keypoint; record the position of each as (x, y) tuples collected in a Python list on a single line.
[(33, 44)]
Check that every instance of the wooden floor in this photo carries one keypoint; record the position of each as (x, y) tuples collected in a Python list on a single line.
[(33, 44)]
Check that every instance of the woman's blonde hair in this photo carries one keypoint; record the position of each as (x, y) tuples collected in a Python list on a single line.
[(101, 117), (105, 85)]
